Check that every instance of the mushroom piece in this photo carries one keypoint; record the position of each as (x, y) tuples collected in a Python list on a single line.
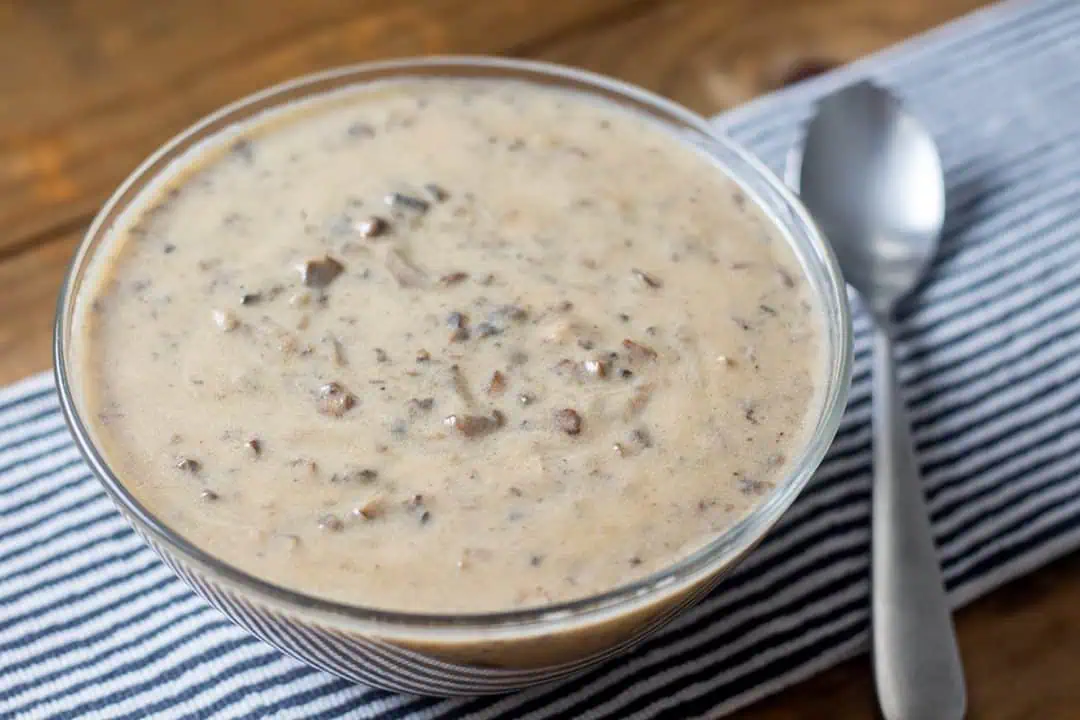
[(320, 273), (334, 399)]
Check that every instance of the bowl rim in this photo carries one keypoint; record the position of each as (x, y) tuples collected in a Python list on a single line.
[(705, 562)]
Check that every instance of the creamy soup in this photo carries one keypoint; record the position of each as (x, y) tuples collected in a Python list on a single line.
[(449, 345)]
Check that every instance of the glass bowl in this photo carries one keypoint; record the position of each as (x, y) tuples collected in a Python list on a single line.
[(440, 654)]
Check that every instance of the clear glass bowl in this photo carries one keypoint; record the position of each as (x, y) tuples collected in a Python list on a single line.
[(491, 652)]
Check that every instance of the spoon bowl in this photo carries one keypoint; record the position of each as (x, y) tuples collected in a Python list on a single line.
[(872, 177)]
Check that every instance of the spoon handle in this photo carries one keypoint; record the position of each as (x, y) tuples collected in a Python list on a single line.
[(916, 660)]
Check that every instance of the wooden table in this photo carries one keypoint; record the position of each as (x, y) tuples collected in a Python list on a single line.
[(90, 87)]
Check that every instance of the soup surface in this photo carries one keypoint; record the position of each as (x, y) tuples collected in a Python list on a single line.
[(448, 346)]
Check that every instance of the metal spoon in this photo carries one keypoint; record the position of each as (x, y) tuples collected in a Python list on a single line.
[(871, 176)]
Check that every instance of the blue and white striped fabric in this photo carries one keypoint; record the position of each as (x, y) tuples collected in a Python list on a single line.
[(92, 624)]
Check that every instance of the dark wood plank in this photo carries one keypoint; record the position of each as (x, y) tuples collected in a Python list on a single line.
[(91, 87), (714, 54), (1020, 646), (30, 282), (94, 85)]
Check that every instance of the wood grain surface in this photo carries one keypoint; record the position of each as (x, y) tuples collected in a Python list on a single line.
[(90, 87)]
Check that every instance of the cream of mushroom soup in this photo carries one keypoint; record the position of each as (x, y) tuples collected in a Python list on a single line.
[(449, 346)]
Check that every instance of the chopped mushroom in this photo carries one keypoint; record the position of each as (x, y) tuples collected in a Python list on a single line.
[(372, 227), (401, 201), (568, 421), (638, 353), (334, 400), (647, 279), (641, 436), (473, 426), (364, 476), (595, 367), (497, 384), (437, 192), (369, 509), (319, 274), (453, 278), (187, 464), (226, 320)]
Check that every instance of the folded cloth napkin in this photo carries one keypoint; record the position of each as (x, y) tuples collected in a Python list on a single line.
[(92, 624)]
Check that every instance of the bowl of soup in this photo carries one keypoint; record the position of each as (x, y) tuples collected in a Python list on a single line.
[(452, 375)]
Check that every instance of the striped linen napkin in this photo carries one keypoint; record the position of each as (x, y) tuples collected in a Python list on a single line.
[(92, 624)]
